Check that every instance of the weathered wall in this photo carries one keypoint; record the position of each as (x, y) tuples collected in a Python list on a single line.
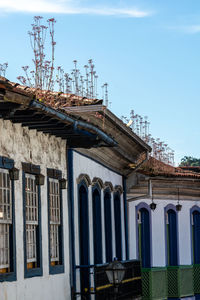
[(158, 231), (23, 145), (84, 165)]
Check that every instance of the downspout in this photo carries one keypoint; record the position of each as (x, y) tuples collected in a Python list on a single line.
[(126, 218), (69, 162)]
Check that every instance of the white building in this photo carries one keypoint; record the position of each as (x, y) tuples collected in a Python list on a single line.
[(53, 238), (164, 219)]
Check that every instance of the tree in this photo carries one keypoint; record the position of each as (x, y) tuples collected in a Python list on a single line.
[(187, 161)]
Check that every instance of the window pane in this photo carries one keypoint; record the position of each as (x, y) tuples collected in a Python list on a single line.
[(54, 210), (31, 217)]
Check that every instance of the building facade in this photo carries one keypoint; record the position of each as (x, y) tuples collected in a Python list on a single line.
[(56, 241), (163, 215)]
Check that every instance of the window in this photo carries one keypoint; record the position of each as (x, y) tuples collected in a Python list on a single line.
[(118, 225), (144, 243), (97, 231), (195, 218), (32, 222), (108, 225), (7, 224), (5, 219), (171, 237), (31, 191), (56, 252), (84, 236)]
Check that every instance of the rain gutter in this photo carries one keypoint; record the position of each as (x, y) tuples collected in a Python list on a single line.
[(77, 123)]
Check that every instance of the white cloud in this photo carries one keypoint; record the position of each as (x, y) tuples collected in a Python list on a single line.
[(189, 29), (67, 7), (192, 29)]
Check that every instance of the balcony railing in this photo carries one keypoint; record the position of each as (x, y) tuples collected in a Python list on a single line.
[(170, 282), (99, 287)]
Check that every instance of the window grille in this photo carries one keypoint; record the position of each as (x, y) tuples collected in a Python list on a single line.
[(31, 191), (54, 209), (5, 218)]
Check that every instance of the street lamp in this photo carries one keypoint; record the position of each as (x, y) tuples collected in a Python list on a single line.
[(115, 272), (153, 204), (14, 174)]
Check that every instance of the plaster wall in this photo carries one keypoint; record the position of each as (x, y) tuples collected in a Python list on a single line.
[(158, 231), (23, 145), (85, 165)]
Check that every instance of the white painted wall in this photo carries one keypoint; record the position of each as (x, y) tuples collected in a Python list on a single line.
[(158, 231), (84, 165), (23, 145)]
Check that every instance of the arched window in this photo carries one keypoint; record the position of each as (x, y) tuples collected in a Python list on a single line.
[(83, 235), (196, 234), (171, 236), (118, 225), (108, 224), (144, 238), (97, 232)]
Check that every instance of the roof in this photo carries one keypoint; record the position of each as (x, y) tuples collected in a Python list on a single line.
[(73, 118), (20, 105), (53, 99), (155, 168), (191, 168), (167, 182)]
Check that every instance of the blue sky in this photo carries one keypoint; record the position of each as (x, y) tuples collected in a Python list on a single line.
[(147, 50)]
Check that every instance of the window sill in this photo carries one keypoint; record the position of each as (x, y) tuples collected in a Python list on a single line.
[(8, 276), (57, 269), (33, 272)]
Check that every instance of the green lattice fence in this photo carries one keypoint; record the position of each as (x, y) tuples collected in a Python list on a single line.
[(180, 281), (196, 272), (154, 284)]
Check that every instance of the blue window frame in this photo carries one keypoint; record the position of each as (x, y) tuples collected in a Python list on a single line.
[(195, 223), (55, 222), (84, 236), (144, 238), (7, 222), (32, 221), (118, 225), (108, 225), (171, 235), (97, 231)]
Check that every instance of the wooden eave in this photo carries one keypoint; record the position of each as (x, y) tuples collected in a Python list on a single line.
[(18, 107), (129, 147), (166, 188)]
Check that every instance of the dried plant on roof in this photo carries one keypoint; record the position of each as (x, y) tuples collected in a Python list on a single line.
[(46, 78), (42, 76), (140, 126), (3, 68)]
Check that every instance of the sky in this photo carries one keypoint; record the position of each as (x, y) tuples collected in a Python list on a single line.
[(147, 50)]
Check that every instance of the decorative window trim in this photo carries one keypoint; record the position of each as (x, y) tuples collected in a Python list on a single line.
[(118, 189), (59, 268), (108, 185), (38, 271), (97, 181), (85, 178), (166, 209), (7, 163), (137, 211)]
